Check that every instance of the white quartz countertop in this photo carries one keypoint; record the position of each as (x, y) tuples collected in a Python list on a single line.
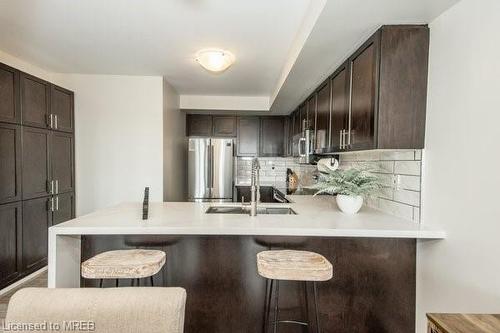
[(316, 216)]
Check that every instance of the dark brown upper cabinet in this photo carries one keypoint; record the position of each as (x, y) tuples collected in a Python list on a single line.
[(10, 242), (363, 98), (10, 163), (272, 136), (63, 207), (36, 221), (61, 109), (340, 106), (248, 136), (303, 117), (322, 128), (311, 111), (35, 101), (199, 125), (36, 163), (378, 95), (62, 162), (296, 126), (9, 95), (224, 126), (404, 61)]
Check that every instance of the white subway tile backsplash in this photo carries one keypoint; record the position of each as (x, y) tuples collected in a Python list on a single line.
[(416, 214), (407, 167), (407, 197), (273, 171), (399, 172), (396, 209), (410, 183), (397, 155)]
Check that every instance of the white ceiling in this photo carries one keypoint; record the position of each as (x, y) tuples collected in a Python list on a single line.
[(283, 48), (343, 26), (157, 37)]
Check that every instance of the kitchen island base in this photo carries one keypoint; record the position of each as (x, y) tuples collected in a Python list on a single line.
[(372, 290)]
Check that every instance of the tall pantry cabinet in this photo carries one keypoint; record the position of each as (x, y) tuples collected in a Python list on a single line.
[(37, 172)]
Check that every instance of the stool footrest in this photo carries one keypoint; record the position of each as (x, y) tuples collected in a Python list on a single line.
[(290, 322)]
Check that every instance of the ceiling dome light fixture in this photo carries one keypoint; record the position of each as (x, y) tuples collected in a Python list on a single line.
[(215, 60)]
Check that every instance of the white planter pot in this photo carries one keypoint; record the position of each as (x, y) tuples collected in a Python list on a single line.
[(349, 204)]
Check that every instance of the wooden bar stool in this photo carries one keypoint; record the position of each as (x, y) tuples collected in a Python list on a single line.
[(124, 264), (291, 265)]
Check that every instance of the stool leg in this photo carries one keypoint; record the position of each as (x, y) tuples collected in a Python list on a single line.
[(267, 304), (138, 282), (306, 294), (100, 283), (117, 283), (276, 306), (151, 279), (316, 306)]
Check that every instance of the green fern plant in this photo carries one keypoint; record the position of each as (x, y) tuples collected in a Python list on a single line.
[(354, 181)]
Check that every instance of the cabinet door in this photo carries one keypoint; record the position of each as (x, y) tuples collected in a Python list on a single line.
[(62, 162), (224, 126), (9, 95), (295, 122), (272, 135), (36, 165), (322, 128), (248, 130), (10, 163), (64, 208), (311, 112), (340, 105), (35, 95), (363, 99), (303, 118), (199, 125), (10, 242), (61, 107), (35, 233)]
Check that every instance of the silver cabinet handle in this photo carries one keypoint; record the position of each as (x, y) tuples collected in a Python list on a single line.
[(50, 120), (56, 125), (341, 144), (51, 186), (52, 204), (57, 203), (57, 186)]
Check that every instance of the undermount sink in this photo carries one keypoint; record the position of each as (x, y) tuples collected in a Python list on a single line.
[(246, 210)]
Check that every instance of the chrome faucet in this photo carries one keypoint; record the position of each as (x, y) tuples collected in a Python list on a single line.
[(255, 187)]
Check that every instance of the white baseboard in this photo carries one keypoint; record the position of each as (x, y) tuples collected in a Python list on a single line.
[(23, 280)]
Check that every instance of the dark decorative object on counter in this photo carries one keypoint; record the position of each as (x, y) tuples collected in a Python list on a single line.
[(292, 181), (145, 204)]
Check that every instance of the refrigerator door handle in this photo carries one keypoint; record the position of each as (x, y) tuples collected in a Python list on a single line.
[(212, 175), (209, 168)]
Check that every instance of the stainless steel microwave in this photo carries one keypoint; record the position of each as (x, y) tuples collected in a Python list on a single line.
[(303, 146)]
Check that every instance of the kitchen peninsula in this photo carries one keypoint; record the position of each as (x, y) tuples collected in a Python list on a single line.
[(213, 257)]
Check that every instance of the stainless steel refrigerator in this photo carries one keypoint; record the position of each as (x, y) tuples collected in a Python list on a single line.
[(210, 169)]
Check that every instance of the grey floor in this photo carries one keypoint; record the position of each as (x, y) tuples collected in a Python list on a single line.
[(40, 281)]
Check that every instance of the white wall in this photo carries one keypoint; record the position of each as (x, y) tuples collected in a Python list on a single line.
[(119, 143), (461, 178), (174, 147)]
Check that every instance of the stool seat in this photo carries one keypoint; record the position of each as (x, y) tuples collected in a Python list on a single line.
[(124, 264), (294, 265)]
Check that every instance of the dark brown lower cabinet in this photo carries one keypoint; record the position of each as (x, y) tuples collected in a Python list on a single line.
[(36, 220), (10, 242)]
